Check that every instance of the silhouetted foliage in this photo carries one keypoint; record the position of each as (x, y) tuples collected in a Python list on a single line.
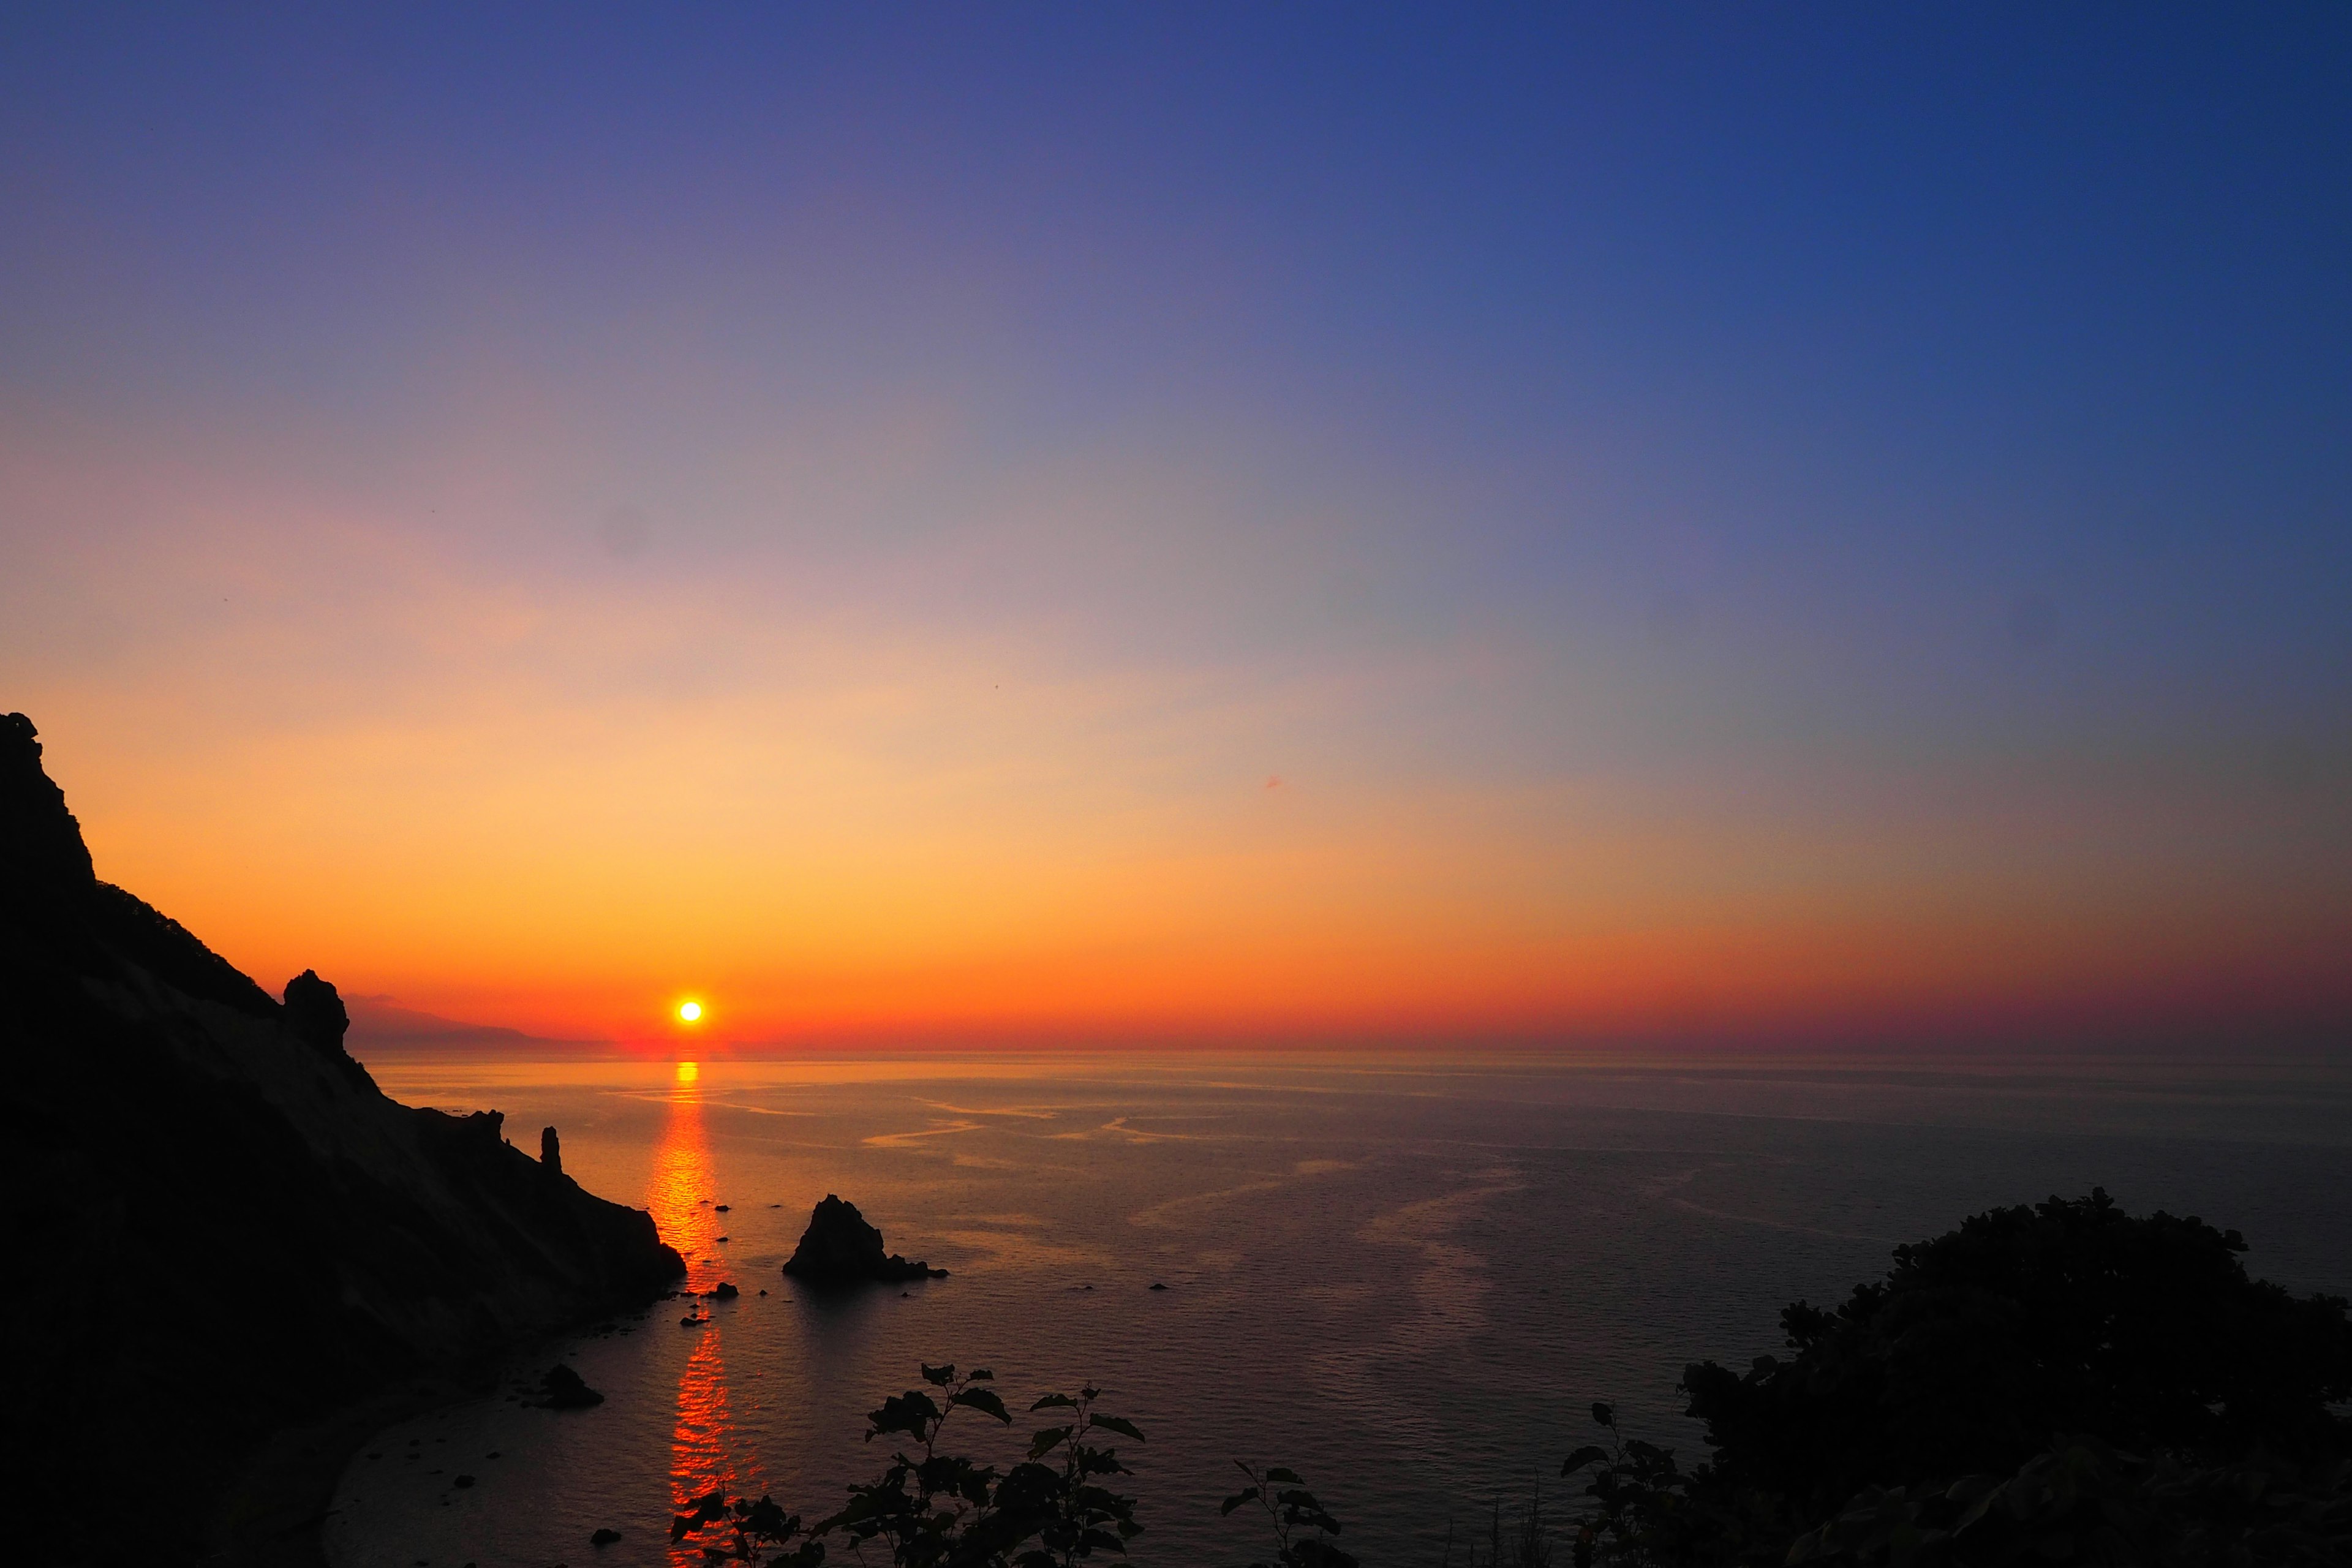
[(1637, 1492), (1526, 1541), (2063, 1382), (1984, 1343), (1303, 1527), (2083, 1501), (933, 1509), (749, 1532)]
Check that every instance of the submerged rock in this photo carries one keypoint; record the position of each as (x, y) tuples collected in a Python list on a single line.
[(605, 1537), (840, 1248)]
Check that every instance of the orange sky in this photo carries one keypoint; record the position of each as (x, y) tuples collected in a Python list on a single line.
[(1054, 875)]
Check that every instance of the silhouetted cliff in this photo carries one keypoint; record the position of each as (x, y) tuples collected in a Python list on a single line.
[(219, 1228)]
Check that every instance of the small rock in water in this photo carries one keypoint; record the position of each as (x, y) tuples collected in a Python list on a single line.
[(605, 1537), (1156, 1285), (726, 1291), (720, 1209), (463, 1482), (566, 1391)]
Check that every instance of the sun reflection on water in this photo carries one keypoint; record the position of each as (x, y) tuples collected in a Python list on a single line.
[(706, 1451), (705, 1447), (683, 1188)]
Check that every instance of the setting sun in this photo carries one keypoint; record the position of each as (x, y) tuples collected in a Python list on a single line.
[(689, 1012)]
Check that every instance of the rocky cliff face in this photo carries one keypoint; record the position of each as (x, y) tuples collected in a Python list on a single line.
[(217, 1226)]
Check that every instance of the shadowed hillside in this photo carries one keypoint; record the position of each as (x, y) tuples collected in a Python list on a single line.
[(229, 1233)]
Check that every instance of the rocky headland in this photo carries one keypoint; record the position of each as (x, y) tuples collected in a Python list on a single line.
[(227, 1245), (840, 1248)]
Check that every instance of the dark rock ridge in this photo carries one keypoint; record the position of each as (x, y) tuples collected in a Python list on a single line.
[(840, 1248), (280, 1241)]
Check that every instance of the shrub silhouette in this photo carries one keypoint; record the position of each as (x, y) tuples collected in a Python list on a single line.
[(2084, 1501), (932, 1509), (1303, 1527), (1979, 1346)]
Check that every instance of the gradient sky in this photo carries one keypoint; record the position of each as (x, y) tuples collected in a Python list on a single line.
[(1802, 523)]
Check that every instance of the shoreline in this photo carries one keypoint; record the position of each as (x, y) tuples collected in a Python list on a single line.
[(275, 1512)]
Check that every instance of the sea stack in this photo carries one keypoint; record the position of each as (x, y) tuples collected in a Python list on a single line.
[(840, 1248)]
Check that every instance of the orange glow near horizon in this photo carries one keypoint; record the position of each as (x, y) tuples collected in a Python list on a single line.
[(523, 859)]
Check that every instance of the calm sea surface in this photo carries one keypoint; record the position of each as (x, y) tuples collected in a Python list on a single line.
[(1407, 1280)]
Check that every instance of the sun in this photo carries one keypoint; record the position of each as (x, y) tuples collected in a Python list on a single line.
[(689, 1012)]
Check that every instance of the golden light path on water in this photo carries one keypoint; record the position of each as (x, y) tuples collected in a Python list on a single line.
[(682, 1197)]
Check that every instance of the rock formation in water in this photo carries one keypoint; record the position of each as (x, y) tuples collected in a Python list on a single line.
[(564, 1389), (273, 1241), (840, 1248)]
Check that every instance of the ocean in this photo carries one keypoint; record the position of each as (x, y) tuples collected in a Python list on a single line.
[(1406, 1278)]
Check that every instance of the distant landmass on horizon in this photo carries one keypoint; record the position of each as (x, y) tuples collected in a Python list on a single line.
[(381, 1021)]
